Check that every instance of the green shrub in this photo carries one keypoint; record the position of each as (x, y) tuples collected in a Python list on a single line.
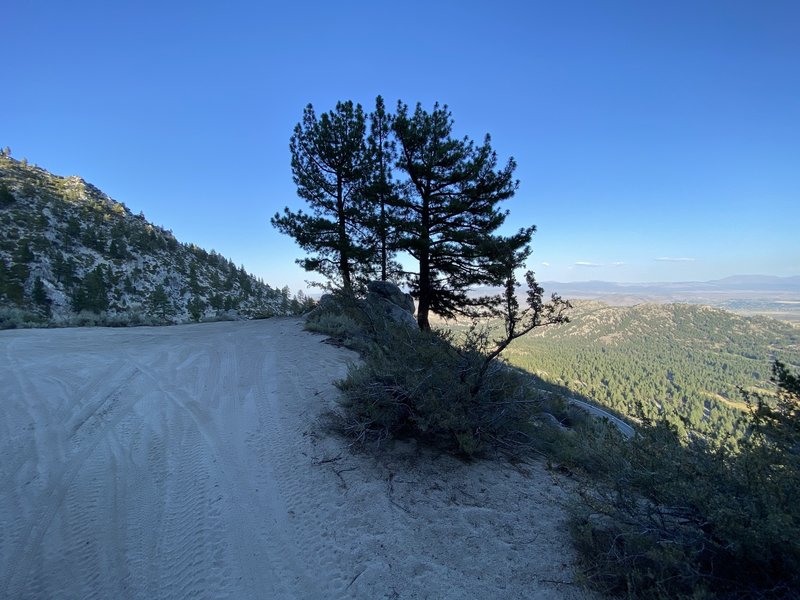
[(415, 383), (672, 518), (341, 326), (13, 318), (419, 383)]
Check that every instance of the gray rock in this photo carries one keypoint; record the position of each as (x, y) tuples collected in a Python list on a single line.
[(389, 311), (384, 300), (389, 301), (392, 293), (325, 303)]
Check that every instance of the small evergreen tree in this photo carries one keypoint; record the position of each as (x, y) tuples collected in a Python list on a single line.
[(73, 230), (195, 307), (40, 297), (5, 277), (92, 294), (216, 301), (194, 284), (244, 282), (159, 302), (64, 269), (285, 298), (6, 197), (117, 249), (18, 273)]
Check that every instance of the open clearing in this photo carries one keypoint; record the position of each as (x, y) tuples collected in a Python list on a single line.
[(188, 462)]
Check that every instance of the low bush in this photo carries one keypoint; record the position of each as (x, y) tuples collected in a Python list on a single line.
[(673, 518), (13, 318), (414, 383), (422, 384)]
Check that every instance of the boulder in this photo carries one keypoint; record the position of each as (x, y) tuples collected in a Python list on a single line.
[(388, 300), (391, 292)]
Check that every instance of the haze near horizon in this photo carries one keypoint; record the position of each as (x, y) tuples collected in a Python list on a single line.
[(654, 143)]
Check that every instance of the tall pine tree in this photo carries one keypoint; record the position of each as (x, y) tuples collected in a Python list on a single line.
[(450, 202), (379, 189), (328, 167)]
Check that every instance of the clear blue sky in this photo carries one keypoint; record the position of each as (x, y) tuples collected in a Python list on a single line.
[(656, 141)]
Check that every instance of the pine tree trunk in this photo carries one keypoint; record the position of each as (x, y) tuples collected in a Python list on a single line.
[(383, 240), (425, 285), (344, 262)]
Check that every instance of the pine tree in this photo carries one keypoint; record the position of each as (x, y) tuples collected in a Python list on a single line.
[(92, 295), (216, 301), (379, 190), (19, 272), (159, 302), (40, 297), (6, 197), (328, 166), (5, 276), (194, 284), (195, 307), (450, 204)]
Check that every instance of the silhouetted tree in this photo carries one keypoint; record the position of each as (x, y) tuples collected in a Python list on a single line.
[(450, 203), (379, 190), (328, 167)]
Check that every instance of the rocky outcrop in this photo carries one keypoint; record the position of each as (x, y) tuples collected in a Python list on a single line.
[(388, 300), (384, 301)]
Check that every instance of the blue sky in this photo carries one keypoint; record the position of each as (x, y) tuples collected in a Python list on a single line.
[(656, 141)]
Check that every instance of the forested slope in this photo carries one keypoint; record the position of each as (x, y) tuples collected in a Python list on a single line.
[(680, 359)]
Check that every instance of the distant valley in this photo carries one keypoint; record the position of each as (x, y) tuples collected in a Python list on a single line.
[(776, 297)]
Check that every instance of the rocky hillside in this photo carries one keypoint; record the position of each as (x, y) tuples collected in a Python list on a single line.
[(69, 254)]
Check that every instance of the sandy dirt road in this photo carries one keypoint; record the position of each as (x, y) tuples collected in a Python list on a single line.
[(188, 462)]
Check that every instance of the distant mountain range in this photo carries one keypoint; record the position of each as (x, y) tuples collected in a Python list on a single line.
[(69, 255), (735, 283), (777, 297)]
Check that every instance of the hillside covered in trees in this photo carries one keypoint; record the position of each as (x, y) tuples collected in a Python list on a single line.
[(676, 360), (69, 254)]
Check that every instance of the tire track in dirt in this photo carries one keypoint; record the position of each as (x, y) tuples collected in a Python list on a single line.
[(88, 427), (188, 549), (282, 443)]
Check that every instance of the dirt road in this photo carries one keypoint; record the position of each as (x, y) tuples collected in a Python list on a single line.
[(187, 462)]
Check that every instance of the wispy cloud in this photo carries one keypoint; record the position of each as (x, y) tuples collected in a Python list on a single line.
[(617, 263), (586, 263), (545, 264), (675, 259)]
